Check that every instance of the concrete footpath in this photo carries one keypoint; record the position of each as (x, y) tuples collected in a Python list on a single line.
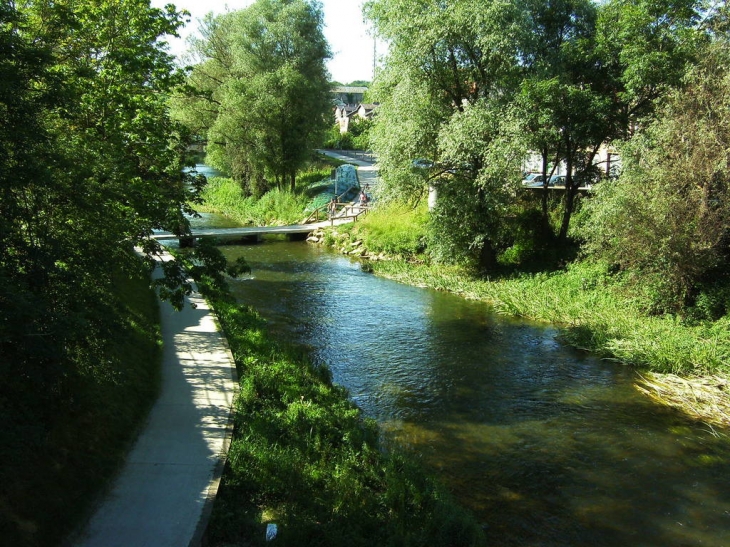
[(164, 494), (367, 172)]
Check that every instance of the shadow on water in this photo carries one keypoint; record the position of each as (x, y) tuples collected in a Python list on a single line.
[(547, 445)]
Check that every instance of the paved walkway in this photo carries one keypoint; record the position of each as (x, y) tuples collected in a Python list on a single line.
[(367, 172), (163, 495)]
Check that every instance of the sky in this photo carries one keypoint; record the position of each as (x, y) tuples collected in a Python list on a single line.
[(345, 30)]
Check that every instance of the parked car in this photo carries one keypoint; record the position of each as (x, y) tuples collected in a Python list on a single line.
[(421, 163), (557, 180), (533, 180)]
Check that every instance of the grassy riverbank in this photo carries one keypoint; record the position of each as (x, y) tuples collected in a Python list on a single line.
[(304, 458), (275, 207), (686, 363), (55, 461)]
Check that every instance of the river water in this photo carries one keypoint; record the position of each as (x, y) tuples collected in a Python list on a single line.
[(547, 445)]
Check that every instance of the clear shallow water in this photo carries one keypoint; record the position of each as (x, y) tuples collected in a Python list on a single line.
[(210, 220), (547, 445)]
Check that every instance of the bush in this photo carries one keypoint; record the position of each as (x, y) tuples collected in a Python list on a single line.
[(666, 218)]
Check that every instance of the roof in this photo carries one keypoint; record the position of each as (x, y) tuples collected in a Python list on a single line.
[(348, 89)]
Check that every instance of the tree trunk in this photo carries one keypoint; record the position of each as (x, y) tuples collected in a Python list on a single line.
[(487, 257), (569, 192), (545, 229)]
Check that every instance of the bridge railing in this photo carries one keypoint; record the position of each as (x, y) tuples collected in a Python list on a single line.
[(323, 210), (343, 210)]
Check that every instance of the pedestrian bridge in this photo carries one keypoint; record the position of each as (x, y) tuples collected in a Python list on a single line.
[(345, 214)]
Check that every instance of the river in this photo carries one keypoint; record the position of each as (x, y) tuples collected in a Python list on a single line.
[(547, 445)]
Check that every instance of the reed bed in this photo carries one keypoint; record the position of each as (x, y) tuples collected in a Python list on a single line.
[(705, 398)]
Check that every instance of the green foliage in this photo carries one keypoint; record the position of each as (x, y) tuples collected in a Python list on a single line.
[(304, 458), (90, 164), (359, 129), (336, 140), (275, 207), (473, 86), (57, 457), (396, 229), (260, 93), (666, 219)]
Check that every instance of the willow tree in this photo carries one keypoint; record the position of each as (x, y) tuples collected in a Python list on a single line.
[(472, 86), (444, 96), (260, 91)]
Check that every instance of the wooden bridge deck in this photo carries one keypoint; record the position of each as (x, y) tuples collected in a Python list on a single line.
[(249, 231)]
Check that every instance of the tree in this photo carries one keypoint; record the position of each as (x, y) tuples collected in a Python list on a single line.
[(574, 75), (561, 100), (91, 163), (450, 72), (261, 91), (667, 219)]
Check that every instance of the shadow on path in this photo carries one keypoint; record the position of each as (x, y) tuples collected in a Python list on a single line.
[(163, 495)]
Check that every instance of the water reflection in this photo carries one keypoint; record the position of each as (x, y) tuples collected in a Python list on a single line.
[(208, 220), (208, 171), (547, 445)]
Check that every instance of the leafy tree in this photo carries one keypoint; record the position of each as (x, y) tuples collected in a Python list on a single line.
[(592, 72), (667, 219), (261, 90), (449, 72), (563, 78), (561, 103), (90, 164)]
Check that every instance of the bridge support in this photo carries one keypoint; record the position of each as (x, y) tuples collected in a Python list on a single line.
[(297, 237)]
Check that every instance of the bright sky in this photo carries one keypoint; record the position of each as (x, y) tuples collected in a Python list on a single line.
[(347, 34)]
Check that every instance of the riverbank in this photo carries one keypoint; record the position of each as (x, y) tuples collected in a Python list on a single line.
[(305, 460), (682, 365), (56, 461)]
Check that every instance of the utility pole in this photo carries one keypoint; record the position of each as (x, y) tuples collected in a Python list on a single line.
[(374, 55)]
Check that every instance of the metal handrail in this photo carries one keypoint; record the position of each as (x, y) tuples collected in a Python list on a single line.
[(314, 215)]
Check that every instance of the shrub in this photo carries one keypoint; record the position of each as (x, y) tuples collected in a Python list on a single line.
[(666, 218)]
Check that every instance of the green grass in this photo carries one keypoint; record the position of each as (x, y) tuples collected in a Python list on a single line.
[(394, 229), (276, 207), (304, 458), (56, 465)]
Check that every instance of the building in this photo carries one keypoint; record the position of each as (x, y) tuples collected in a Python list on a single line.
[(346, 112), (343, 95)]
